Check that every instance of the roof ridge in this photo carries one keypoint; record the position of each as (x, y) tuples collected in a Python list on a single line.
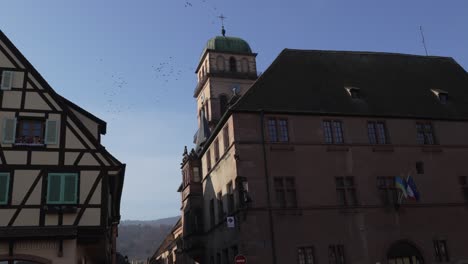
[(357, 52)]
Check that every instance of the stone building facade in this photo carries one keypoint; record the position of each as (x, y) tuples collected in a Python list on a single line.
[(299, 165)]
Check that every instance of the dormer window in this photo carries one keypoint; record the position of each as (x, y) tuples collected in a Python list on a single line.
[(441, 95), (354, 92)]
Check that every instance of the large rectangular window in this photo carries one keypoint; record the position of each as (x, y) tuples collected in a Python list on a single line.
[(208, 161), (387, 190), (336, 254), (62, 188), (226, 137), (285, 191), (305, 255), (346, 191), (216, 150), (425, 134), (278, 130), (220, 207), (440, 248), (30, 132), (464, 187), (333, 131), (230, 198), (377, 133), (4, 187), (212, 213)]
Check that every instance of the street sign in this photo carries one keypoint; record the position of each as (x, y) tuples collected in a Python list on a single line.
[(231, 222), (240, 259)]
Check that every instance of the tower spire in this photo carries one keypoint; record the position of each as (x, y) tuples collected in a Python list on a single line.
[(223, 31)]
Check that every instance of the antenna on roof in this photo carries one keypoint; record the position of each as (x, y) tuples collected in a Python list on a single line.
[(423, 41)]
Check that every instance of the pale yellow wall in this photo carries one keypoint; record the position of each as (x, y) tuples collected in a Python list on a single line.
[(89, 124), (52, 101), (29, 114), (22, 181), (91, 217), (11, 55), (69, 219), (70, 157), (44, 158), (5, 62), (27, 217), (80, 134), (15, 157), (88, 160), (71, 141), (35, 82), (87, 179), (101, 157), (5, 216), (52, 219), (11, 99), (96, 198), (34, 101)]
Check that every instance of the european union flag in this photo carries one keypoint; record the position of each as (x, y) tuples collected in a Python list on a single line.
[(401, 185), (411, 189)]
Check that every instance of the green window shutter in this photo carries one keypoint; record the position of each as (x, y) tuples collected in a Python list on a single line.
[(51, 132), (9, 130), (53, 188), (4, 187), (70, 187), (7, 80)]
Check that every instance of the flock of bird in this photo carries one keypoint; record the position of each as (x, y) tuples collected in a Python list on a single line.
[(165, 72)]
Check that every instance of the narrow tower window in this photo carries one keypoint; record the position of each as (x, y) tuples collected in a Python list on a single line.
[(245, 65), (220, 63), (232, 65), (223, 104)]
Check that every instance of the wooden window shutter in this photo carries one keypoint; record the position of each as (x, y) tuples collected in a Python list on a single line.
[(70, 186), (53, 188), (4, 187), (9, 130), (7, 80), (51, 132)]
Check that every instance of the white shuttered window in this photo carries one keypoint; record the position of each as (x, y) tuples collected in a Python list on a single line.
[(9, 130), (7, 80)]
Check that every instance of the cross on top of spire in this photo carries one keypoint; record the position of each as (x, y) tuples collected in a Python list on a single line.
[(223, 31)]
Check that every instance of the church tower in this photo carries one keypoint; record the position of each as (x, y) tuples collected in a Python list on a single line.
[(226, 70)]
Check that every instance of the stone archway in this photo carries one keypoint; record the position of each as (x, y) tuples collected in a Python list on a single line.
[(404, 252)]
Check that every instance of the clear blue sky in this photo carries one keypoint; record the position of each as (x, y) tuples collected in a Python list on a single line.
[(102, 55)]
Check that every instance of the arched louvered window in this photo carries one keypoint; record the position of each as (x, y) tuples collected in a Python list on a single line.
[(220, 63), (223, 103), (245, 65), (232, 65)]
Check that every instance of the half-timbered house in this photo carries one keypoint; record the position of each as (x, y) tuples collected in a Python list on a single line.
[(60, 188)]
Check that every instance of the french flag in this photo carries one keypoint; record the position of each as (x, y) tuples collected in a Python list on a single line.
[(411, 189)]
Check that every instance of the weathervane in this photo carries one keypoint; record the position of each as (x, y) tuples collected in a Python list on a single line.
[(223, 31)]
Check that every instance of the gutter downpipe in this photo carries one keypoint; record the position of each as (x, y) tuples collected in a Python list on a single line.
[(267, 180)]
